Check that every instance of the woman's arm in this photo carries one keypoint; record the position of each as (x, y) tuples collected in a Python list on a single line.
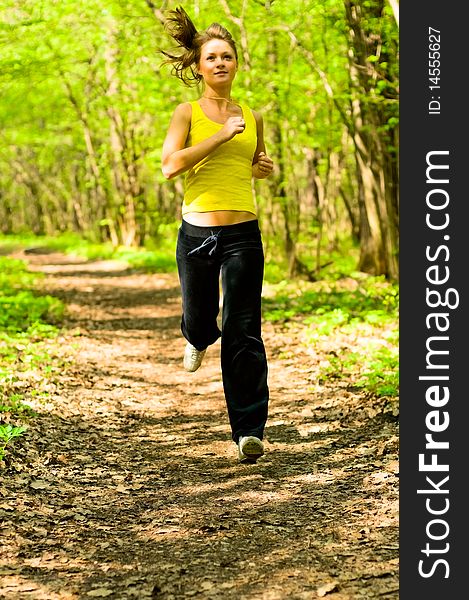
[(262, 165), (176, 158)]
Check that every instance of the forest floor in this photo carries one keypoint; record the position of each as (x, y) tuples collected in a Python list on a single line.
[(127, 484)]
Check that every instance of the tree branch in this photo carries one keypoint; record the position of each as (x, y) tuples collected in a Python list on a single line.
[(394, 4), (157, 12)]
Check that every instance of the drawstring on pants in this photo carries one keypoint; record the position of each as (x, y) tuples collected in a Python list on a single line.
[(213, 238)]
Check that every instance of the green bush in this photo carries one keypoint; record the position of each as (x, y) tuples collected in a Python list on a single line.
[(21, 309)]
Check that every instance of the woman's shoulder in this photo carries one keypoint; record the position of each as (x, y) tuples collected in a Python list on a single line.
[(184, 109), (182, 114), (255, 113), (257, 116)]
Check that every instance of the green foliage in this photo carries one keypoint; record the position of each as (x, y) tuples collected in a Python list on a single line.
[(71, 243), (27, 321), (378, 370), (22, 310), (14, 405), (7, 434), (335, 261), (86, 102), (15, 276), (360, 307), (157, 257), (328, 304), (148, 261), (275, 271)]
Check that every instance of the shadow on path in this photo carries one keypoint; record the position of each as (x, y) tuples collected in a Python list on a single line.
[(128, 486)]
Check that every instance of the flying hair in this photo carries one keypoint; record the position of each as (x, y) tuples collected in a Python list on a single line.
[(186, 56)]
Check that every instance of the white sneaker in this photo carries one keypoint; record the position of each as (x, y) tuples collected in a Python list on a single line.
[(250, 448), (192, 357)]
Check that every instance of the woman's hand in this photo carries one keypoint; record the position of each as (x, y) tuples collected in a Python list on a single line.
[(263, 167), (176, 157), (232, 126)]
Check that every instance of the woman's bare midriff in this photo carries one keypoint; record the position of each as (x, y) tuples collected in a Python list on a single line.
[(218, 217)]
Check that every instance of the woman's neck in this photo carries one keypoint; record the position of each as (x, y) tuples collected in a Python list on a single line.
[(218, 98), (219, 94)]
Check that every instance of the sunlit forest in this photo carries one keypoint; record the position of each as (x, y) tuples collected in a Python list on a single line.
[(119, 477), (85, 103)]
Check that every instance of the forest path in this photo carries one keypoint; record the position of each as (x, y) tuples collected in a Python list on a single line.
[(136, 491)]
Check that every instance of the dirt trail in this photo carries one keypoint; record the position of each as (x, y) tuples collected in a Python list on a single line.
[(133, 489)]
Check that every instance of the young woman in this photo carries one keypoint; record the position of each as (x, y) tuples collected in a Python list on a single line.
[(219, 145)]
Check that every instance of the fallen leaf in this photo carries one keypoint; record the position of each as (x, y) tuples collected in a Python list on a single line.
[(163, 530), (100, 592), (79, 517), (206, 585), (39, 484), (27, 587), (326, 589)]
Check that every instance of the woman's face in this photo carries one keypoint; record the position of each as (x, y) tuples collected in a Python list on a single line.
[(217, 62)]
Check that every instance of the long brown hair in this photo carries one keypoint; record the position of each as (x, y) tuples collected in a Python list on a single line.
[(190, 41)]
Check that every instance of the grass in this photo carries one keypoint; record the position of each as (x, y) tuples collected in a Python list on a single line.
[(335, 263), (375, 371), (158, 255), (21, 309), (327, 303), (28, 323), (359, 308)]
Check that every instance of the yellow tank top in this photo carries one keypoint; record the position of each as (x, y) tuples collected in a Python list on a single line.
[(222, 180)]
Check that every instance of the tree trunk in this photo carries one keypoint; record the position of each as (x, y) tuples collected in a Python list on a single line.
[(378, 231)]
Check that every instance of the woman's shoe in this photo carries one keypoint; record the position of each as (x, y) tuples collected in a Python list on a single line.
[(250, 448), (192, 357)]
